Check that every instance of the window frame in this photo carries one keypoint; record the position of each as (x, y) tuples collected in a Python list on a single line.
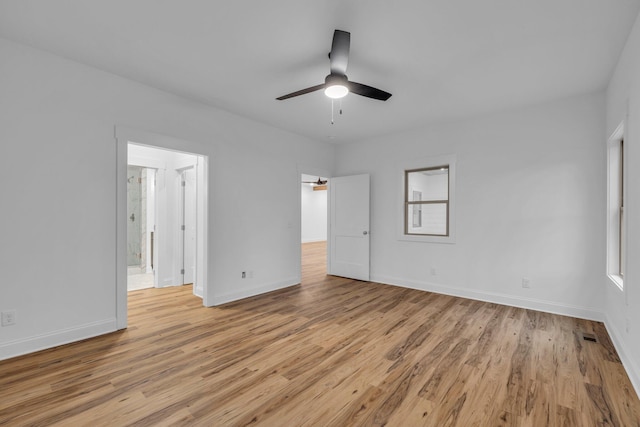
[(418, 164), (408, 203), (621, 228), (616, 219)]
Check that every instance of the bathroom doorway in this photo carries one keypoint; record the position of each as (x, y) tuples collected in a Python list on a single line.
[(162, 217), (165, 158)]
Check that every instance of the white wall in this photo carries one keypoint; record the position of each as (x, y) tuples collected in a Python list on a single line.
[(57, 246), (622, 308), (314, 213), (530, 197)]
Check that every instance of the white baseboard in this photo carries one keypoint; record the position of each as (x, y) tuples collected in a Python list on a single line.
[(528, 303), (633, 371), (53, 339), (324, 239), (262, 289)]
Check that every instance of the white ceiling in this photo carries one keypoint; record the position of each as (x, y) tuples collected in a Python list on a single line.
[(441, 59)]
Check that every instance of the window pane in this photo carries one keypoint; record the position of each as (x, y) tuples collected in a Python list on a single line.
[(615, 209), (432, 219), (428, 184), (416, 216), (621, 252)]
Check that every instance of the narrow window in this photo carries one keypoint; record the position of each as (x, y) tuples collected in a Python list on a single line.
[(621, 230), (616, 232), (427, 201)]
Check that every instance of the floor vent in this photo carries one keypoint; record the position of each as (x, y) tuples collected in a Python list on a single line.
[(589, 337)]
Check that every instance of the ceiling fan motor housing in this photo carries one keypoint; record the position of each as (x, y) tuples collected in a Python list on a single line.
[(336, 79)]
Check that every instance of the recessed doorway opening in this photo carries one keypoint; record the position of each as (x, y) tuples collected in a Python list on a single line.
[(313, 230), (162, 207), (162, 213)]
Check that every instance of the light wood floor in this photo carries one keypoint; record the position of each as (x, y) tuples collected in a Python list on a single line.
[(331, 352)]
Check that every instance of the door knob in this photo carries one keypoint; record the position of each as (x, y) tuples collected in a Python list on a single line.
[(365, 232)]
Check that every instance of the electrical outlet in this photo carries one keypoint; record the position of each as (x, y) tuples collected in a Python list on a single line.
[(250, 275), (526, 282), (244, 274), (8, 318)]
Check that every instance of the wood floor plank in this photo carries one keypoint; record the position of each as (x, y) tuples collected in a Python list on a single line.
[(328, 352)]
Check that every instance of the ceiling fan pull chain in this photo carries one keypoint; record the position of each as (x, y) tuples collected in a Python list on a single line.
[(340, 106), (332, 111)]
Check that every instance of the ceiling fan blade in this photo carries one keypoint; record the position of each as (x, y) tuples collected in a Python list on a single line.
[(368, 91), (320, 181), (339, 55), (301, 92)]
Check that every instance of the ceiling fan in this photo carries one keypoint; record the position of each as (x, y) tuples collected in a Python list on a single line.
[(320, 181), (336, 84)]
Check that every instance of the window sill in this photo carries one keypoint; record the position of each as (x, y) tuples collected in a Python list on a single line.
[(426, 239), (617, 280)]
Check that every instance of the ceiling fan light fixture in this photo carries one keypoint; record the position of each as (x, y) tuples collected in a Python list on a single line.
[(336, 84), (336, 91)]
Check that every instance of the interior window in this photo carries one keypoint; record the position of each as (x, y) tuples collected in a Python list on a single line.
[(427, 201)]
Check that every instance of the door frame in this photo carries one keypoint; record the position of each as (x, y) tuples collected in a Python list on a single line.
[(186, 230), (123, 136)]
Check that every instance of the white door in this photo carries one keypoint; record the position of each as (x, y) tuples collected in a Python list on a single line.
[(349, 223)]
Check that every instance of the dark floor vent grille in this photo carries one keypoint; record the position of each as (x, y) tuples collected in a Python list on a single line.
[(589, 337)]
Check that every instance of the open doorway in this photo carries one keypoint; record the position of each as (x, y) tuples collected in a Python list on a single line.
[(162, 217), (168, 177), (313, 226)]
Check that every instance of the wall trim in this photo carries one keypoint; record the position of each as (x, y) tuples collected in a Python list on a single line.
[(633, 371), (265, 288), (57, 338), (494, 297)]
